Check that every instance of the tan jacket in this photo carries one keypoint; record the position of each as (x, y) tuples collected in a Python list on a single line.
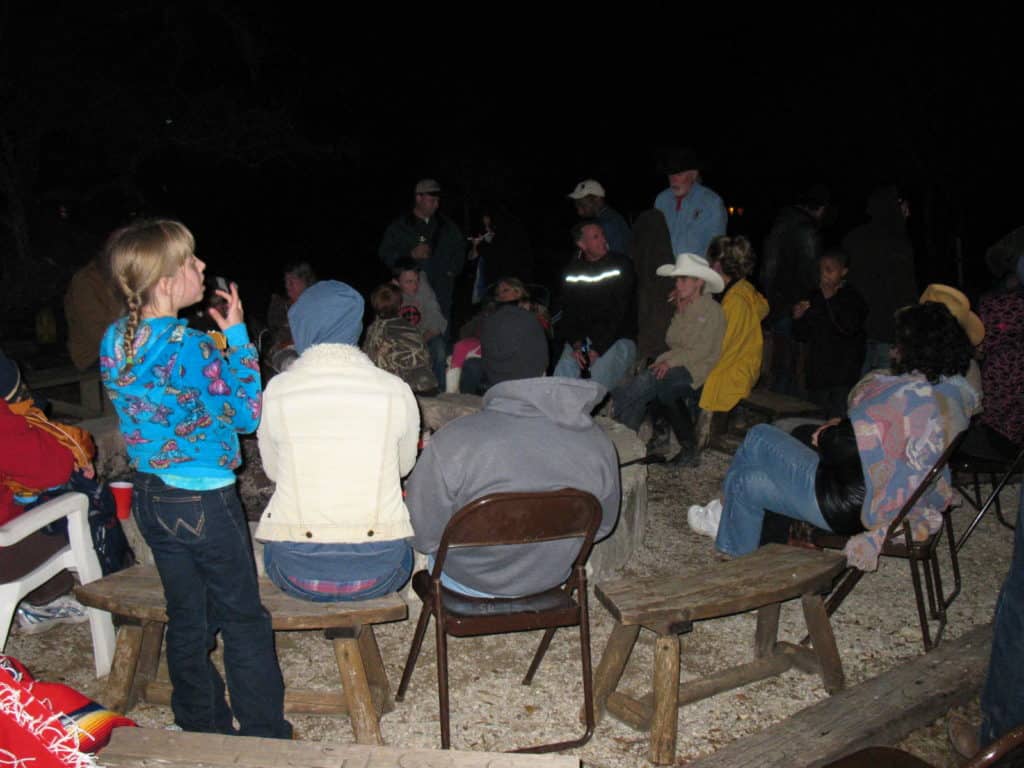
[(90, 306), (337, 436), (694, 339)]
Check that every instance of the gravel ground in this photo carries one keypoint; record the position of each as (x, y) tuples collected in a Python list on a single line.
[(875, 629)]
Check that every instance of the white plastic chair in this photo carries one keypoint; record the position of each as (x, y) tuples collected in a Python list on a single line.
[(78, 556)]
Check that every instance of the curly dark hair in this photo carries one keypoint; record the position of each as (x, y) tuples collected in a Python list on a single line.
[(929, 340)]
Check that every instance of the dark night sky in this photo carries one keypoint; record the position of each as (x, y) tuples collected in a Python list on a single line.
[(289, 131)]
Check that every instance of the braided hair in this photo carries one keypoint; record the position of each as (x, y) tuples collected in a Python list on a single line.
[(139, 255)]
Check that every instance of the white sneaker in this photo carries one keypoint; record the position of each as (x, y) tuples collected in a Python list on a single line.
[(33, 619), (705, 520)]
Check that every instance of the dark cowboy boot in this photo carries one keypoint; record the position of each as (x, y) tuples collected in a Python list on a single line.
[(678, 416)]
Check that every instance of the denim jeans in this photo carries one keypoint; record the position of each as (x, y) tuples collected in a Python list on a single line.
[(331, 573), (771, 471), (201, 546), (1002, 703), (438, 349), (608, 370), (876, 356), (633, 398)]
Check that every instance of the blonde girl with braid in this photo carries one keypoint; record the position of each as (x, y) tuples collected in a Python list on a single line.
[(181, 404)]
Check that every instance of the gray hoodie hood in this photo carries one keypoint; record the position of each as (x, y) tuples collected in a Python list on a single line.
[(566, 402)]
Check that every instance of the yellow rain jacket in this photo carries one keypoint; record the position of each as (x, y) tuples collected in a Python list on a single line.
[(739, 367)]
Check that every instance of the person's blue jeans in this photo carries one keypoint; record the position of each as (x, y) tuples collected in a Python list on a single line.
[(471, 382), (438, 349), (200, 542), (771, 471), (1002, 703), (331, 573), (785, 356), (608, 369), (633, 398), (876, 355)]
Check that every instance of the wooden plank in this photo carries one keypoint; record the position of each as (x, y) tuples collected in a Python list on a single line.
[(133, 747), (305, 701), (773, 574), (137, 592), (882, 710), (636, 713), (776, 405)]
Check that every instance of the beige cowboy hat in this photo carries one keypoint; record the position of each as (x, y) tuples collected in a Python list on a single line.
[(692, 265), (959, 306)]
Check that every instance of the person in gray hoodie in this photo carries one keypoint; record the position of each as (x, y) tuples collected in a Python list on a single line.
[(532, 435)]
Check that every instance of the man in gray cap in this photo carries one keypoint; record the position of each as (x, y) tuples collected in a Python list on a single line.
[(589, 199), (431, 239), (695, 214)]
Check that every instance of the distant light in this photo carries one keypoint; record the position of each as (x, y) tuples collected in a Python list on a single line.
[(169, 121), (735, 210)]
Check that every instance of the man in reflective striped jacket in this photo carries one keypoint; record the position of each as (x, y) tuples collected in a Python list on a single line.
[(598, 319)]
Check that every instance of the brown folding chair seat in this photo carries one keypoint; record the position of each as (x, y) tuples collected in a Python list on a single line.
[(511, 518), (922, 556)]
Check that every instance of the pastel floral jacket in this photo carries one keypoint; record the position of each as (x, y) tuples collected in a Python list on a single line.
[(902, 425)]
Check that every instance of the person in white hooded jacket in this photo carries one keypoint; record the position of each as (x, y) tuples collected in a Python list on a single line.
[(337, 436)]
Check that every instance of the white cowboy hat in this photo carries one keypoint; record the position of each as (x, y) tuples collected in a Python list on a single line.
[(692, 265)]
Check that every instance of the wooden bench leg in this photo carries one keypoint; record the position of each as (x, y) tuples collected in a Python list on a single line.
[(352, 668), (767, 632), (149, 659), (665, 722), (612, 664), (376, 676), (121, 681), (823, 642)]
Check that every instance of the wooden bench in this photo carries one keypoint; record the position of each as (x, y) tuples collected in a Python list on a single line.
[(136, 593), (135, 747), (774, 406), (668, 606), (91, 399)]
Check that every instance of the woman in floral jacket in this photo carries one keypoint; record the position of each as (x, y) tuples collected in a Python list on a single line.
[(900, 422)]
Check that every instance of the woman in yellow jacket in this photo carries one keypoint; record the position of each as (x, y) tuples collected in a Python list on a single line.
[(738, 368)]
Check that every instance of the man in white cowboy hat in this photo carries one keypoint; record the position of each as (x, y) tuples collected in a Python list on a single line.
[(671, 385), (598, 320), (589, 199)]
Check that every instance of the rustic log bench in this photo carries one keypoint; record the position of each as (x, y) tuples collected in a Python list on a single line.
[(668, 606), (91, 400), (774, 406), (135, 747), (136, 593)]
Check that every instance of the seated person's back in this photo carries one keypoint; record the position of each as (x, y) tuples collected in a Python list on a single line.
[(395, 345), (532, 435), (337, 435)]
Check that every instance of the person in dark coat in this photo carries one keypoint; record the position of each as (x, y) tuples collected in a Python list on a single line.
[(500, 249), (789, 274), (651, 248), (431, 239), (831, 322), (882, 260)]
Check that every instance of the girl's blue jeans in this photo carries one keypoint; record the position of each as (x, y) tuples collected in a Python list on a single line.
[(200, 542), (771, 471)]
